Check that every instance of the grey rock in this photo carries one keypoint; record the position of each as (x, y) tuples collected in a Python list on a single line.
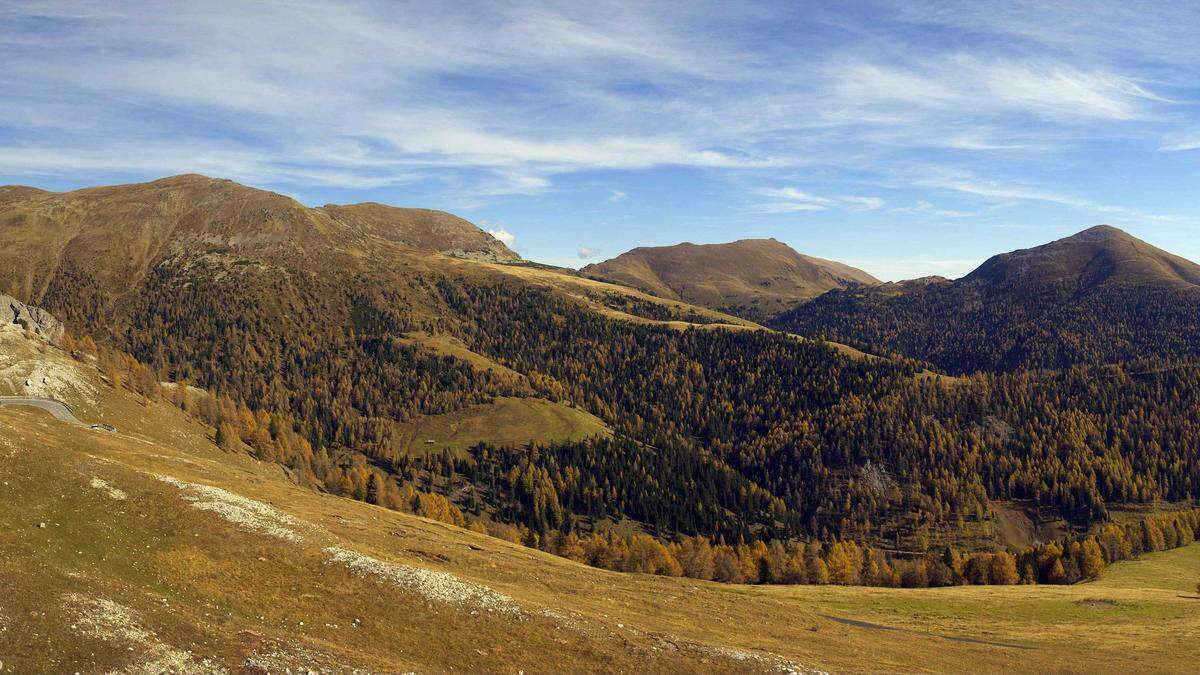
[(33, 318)]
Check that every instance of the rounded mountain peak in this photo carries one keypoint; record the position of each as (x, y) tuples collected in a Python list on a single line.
[(1096, 256)]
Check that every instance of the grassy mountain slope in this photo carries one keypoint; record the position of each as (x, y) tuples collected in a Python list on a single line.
[(161, 551), (1100, 296), (1098, 256), (105, 241), (507, 421), (755, 278), (423, 229)]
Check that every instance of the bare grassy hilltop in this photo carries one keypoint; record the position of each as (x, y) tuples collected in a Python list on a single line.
[(756, 278), (150, 550)]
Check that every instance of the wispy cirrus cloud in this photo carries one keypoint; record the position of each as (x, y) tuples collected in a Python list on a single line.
[(1181, 142), (997, 190), (951, 268), (528, 88), (472, 105), (859, 203), (791, 200), (925, 208), (969, 84)]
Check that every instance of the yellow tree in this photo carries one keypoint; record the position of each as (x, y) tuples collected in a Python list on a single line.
[(1092, 562), (1004, 569)]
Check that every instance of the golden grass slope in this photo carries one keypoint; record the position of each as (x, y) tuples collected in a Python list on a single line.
[(583, 290), (160, 551), (448, 345), (423, 229), (507, 421)]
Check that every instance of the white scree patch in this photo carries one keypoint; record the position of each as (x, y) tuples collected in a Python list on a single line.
[(242, 511), (108, 621), (113, 492), (771, 662), (440, 587)]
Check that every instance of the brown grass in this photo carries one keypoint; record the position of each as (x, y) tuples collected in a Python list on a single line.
[(508, 421)]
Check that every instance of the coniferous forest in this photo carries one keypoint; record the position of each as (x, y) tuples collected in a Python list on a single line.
[(754, 446)]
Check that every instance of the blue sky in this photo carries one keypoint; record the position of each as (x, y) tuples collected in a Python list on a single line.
[(908, 138)]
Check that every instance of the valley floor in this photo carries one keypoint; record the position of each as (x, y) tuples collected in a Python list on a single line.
[(150, 549)]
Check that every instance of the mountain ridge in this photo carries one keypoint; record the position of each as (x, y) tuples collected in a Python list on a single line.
[(112, 237), (752, 277)]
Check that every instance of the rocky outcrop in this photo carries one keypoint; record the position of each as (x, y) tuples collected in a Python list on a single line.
[(36, 319)]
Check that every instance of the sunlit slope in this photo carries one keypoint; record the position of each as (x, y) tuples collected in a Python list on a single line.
[(749, 277), (160, 551), (507, 421)]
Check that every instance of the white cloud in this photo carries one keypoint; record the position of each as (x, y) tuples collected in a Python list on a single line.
[(790, 199), (617, 196), (504, 236), (460, 144), (969, 84), (365, 75), (586, 252), (1182, 142), (480, 100), (998, 190), (793, 194), (897, 270), (923, 207), (1160, 32), (862, 203)]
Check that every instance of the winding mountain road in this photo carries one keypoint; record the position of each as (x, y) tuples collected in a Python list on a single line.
[(56, 408)]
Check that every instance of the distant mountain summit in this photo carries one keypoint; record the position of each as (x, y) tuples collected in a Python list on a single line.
[(1092, 258), (1099, 296), (755, 278)]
